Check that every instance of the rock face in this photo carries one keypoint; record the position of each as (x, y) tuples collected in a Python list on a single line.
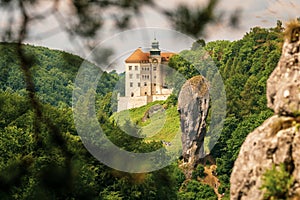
[(283, 85), (153, 110), (193, 104), (277, 140)]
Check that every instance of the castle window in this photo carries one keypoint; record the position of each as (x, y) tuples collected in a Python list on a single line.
[(154, 68), (130, 67), (154, 84), (139, 84), (145, 84), (131, 84), (136, 68), (130, 76), (138, 76), (132, 94), (154, 77), (145, 93)]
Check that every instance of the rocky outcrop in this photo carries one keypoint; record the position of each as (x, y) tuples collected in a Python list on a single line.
[(277, 140), (193, 103), (152, 111), (283, 85)]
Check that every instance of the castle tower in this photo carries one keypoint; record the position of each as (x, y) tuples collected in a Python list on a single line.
[(155, 51), (156, 68), (145, 77)]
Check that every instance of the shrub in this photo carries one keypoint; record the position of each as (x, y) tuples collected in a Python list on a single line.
[(199, 172), (277, 182)]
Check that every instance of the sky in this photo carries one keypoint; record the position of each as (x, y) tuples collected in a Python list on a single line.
[(264, 13)]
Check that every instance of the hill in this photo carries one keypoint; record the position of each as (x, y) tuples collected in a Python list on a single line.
[(245, 66), (162, 125), (42, 157), (53, 73)]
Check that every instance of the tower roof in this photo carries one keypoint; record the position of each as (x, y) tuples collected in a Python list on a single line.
[(155, 48), (138, 56), (155, 43)]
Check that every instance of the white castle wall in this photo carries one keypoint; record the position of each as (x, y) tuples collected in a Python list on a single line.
[(125, 103)]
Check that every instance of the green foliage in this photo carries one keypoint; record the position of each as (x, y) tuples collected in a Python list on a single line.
[(276, 182), (172, 100), (198, 44), (47, 169), (245, 66), (43, 158), (178, 175), (199, 172), (53, 73), (165, 127), (194, 190), (41, 155)]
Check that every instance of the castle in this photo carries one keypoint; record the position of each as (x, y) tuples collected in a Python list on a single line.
[(145, 77)]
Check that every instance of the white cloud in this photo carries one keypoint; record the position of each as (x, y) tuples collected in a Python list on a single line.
[(262, 13), (282, 10)]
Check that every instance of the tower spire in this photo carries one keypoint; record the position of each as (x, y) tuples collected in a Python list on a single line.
[(155, 47)]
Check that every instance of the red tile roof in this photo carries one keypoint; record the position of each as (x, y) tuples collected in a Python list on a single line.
[(139, 56), (165, 56)]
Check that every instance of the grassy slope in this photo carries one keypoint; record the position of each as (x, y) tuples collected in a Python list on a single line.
[(161, 126)]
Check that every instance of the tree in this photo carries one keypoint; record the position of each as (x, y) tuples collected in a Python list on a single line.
[(194, 190), (199, 43), (199, 172)]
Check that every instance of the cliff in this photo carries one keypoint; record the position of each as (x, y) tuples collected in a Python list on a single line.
[(277, 140), (193, 104)]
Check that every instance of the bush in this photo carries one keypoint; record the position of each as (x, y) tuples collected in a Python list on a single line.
[(195, 190), (277, 182), (199, 172)]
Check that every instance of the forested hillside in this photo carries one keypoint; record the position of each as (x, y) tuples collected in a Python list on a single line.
[(41, 155), (43, 158), (245, 66)]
